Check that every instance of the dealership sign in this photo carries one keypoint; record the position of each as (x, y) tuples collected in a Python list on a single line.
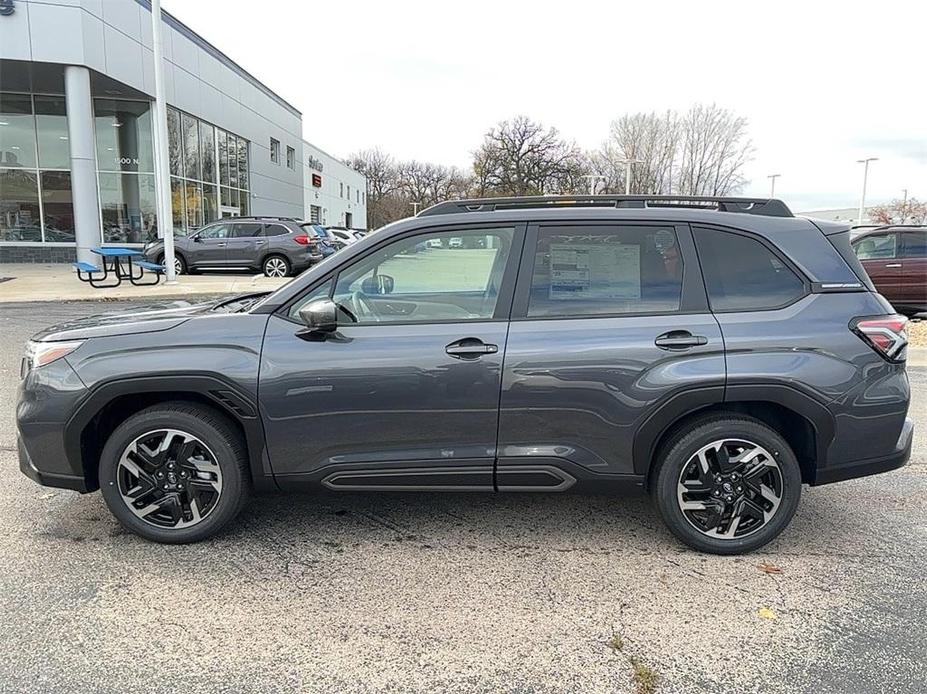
[(7, 7), (314, 163)]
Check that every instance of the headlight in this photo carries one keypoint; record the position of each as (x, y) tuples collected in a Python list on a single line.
[(42, 353)]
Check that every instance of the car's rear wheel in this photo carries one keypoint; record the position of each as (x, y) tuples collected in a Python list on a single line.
[(727, 484), (180, 265), (174, 473), (276, 266)]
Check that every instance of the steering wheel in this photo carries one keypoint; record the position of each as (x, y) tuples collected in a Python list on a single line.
[(364, 307)]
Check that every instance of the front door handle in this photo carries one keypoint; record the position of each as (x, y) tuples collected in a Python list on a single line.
[(893, 265), (470, 348), (679, 339)]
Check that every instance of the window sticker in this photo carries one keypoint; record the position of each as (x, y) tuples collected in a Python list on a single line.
[(595, 271)]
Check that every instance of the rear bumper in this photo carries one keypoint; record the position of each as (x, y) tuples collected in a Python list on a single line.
[(871, 466)]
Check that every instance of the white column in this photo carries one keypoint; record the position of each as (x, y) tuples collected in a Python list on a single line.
[(84, 194)]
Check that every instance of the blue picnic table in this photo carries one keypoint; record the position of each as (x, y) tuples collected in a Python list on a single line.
[(118, 264)]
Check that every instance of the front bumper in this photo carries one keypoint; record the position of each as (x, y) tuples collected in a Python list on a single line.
[(871, 466), (48, 396), (76, 483)]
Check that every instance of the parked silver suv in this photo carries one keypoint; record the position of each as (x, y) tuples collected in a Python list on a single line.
[(277, 246)]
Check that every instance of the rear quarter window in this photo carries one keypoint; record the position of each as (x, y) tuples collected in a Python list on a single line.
[(742, 274)]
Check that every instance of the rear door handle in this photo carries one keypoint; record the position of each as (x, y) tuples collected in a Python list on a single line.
[(679, 339), (893, 265), (470, 348)]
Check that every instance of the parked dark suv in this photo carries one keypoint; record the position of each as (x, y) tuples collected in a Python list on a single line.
[(716, 353), (895, 258), (277, 246)]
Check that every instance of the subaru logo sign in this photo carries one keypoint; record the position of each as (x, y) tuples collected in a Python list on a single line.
[(7, 7)]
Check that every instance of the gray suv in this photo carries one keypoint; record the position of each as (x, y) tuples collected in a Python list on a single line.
[(277, 246), (714, 353)]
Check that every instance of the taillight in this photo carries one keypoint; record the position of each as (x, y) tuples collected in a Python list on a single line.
[(304, 240), (885, 334)]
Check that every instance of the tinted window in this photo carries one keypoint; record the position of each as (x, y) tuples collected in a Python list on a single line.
[(875, 247), (742, 274), (246, 230), (275, 230), (415, 280), (915, 244), (587, 271), (216, 231)]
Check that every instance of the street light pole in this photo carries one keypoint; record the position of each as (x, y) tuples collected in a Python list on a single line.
[(772, 184), (862, 197), (627, 173), (162, 172)]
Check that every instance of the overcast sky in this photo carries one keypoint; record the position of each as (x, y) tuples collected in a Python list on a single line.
[(822, 84)]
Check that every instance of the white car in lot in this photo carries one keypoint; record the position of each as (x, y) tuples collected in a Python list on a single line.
[(347, 236)]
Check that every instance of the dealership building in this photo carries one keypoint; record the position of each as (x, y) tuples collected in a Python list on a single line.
[(76, 135)]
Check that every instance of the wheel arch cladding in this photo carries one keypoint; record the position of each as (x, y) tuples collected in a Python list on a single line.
[(111, 404), (808, 429)]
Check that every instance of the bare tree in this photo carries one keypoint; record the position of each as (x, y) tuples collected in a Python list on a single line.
[(651, 141), (429, 184), (713, 149), (521, 157), (382, 184), (701, 152), (908, 211)]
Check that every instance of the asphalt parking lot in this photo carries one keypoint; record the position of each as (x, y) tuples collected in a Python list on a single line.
[(468, 593)]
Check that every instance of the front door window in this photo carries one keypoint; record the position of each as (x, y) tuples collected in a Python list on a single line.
[(427, 278)]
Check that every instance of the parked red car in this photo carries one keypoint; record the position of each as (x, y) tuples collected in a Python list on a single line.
[(896, 259)]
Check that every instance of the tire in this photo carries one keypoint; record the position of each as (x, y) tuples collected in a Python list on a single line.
[(180, 265), (205, 466), (766, 496), (276, 266)]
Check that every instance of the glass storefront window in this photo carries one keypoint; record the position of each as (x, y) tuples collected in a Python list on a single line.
[(233, 157), (242, 163), (17, 131), (208, 145), (194, 197), (223, 158), (19, 206), (51, 121), (174, 142), (243, 206), (210, 203), (128, 207), (178, 206), (193, 165), (123, 132), (57, 207)]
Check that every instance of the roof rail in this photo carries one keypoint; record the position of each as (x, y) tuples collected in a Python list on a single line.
[(880, 227), (263, 216), (769, 207)]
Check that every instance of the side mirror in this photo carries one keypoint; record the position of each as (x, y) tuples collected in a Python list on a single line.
[(197, 239), (320, 316), (378, 284)]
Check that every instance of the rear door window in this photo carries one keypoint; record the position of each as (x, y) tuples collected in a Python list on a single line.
[(914, 244), (605, 270), (742, 274), (245, 230)]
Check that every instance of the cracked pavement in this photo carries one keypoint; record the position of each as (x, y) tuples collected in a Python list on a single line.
[(456, 593)]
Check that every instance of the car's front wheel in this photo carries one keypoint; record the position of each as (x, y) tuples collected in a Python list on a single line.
[(175, 472), (180, 265), (727, 484)]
